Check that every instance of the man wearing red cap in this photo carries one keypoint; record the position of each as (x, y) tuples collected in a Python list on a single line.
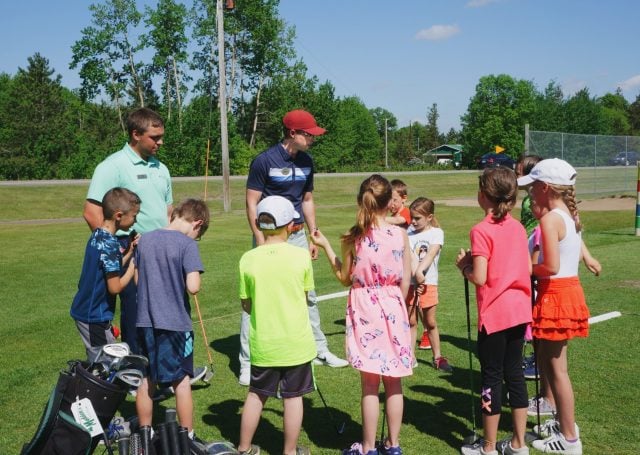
[(286, 169)]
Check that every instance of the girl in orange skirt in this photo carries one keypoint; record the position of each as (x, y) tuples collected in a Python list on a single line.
[(560, 312)]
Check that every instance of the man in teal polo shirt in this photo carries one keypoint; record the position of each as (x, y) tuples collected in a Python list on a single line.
[(137, 168)]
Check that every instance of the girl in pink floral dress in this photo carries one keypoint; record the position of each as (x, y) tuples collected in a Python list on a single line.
[(376, 262)]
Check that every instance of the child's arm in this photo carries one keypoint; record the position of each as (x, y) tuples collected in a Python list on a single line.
[(589, 261), (116, 283), (406, 266), (426, 262), (246, 305), (339, 268), (473, 268), (193, 282), (551, 228)]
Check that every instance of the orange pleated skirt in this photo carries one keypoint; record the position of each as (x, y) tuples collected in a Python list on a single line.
[(560, 312)]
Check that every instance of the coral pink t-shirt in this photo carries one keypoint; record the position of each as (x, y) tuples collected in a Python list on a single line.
[(504, 300)]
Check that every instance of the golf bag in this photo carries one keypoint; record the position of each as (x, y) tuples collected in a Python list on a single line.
[(58, 432)]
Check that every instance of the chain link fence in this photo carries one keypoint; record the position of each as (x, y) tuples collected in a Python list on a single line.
[(606, 165)]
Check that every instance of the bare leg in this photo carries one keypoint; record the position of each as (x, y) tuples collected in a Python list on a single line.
[(490, 427), (370, 406), (556, 369), (251, 412), (412, 311), (144, 403), (394, 407), (519, 416), (433, 332), (184, 403), (293, 413)]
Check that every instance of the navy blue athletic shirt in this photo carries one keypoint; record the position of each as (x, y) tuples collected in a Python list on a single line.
[(275, 173)]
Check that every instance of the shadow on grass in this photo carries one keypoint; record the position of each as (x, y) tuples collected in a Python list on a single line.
[(230, 347)]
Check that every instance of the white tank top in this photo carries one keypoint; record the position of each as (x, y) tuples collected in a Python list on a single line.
[(570, 247)]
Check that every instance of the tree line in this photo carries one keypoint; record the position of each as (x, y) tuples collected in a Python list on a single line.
[(166, 58)]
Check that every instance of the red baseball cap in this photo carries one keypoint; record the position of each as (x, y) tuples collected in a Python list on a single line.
[(303, 121)]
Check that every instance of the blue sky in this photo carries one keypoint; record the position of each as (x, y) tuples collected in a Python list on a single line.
[(402, 55)]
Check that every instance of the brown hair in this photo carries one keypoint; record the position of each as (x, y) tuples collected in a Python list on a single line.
[(142, 119), (426, 207), (500, 186), (118, 200), (568, 195), (399, 187), (374, 196), (193, 210), (528, 162)]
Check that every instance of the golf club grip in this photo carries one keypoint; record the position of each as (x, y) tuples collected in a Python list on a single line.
[(163, 437), (204, 333), (174, 438)]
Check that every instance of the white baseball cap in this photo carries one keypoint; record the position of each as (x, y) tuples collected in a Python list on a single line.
[(281, 210), (551, 170)]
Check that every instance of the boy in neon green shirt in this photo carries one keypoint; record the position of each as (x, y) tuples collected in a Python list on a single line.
[(274, 280)]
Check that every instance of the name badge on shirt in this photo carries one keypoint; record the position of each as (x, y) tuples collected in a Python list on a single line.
[(142, 176)]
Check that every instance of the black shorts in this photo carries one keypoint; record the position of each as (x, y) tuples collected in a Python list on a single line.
[(293, 381), (170, 354)]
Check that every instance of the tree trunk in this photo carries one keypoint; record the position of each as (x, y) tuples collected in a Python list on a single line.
[(178, 98), (252, 142), (232, 79), (167, 90)]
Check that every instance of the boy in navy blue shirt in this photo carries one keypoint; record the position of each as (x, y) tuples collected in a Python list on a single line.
[(100, 281)]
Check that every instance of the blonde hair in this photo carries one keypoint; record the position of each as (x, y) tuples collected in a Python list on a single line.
[(500, 186), (373, 197), (426, 207), (568, 195)]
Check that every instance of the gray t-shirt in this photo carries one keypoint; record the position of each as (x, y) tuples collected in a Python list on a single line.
[(164, 258)]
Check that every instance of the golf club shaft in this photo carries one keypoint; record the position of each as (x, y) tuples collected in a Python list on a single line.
[(339, 428), (204, 333)]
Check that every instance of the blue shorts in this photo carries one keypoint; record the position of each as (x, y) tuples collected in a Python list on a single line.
[(293, 381), (170, 354)]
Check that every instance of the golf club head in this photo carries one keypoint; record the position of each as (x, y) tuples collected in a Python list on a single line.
[(471, 439), (531, 436), (131, 377), (116, 349), (221, 448), (133, 361)]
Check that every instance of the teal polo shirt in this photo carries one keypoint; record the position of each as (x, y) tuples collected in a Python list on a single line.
[(150, 180)]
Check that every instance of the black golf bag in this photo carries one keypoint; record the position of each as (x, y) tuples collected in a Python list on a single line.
[(58, 433)]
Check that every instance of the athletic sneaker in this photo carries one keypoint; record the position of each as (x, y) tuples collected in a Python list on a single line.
[(356, 449), (551, 426), (546, 409), (254, 450), (508, 450), (198, 374), (556, 443), (384, 450), (424, 341), (245, 377), (442, 364), (476, 449), (332, 360)]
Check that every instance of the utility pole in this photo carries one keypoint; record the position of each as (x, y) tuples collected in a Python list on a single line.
[(222, 101), (386, 149)]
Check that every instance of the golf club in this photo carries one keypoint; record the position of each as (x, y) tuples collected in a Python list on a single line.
[(473, 437), (209, 374), (339, 428), (535, 359)]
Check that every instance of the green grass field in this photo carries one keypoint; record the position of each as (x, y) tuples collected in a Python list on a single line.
[(40, 266)]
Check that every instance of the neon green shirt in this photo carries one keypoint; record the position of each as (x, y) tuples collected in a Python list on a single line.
[(150, 180), (275, 277)]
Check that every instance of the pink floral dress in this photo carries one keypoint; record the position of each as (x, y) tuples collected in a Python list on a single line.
[(377, 334)]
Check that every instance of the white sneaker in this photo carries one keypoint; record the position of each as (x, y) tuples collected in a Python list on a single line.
[(476, 449), (545, 407), (550, 427), (556, 443), (245, 377), (327, 358)]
